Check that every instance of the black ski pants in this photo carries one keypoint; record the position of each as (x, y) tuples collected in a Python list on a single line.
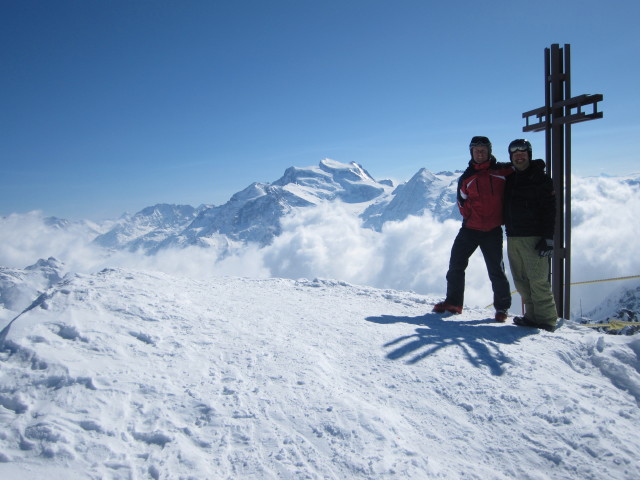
[(490, 243)]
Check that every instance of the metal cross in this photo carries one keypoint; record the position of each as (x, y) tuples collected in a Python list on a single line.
[(555, 119)]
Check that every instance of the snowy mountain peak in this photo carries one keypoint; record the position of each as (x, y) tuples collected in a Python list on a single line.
[(58, 223), (352, 171), (148, 227), (165, 214), (51, 263), (424, 175), (425, 191), (333, 180), (253, 191)]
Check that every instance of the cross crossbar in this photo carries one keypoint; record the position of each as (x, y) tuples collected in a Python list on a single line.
[(541, 114), (577, 103)]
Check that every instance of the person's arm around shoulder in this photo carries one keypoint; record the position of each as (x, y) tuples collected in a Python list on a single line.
[(540, 164), (504, 168)]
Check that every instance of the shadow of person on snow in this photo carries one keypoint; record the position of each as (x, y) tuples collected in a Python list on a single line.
[(479, 342)]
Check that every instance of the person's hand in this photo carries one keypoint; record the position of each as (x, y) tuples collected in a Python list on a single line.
[(545, 247)]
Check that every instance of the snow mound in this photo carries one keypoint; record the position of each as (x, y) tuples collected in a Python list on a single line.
[(128, 374), (19, 287)]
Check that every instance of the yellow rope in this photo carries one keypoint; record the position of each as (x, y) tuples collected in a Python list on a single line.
[(605, 280), (588, 281), (613, 324)]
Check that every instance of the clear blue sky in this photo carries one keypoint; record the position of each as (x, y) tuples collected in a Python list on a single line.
[(112, 106)]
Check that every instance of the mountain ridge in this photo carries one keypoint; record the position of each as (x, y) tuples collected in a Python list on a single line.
[(254, 214)]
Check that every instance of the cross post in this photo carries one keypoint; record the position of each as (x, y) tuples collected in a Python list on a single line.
[(555, 118)]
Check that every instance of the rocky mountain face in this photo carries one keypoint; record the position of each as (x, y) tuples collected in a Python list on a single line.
[(623, 305)]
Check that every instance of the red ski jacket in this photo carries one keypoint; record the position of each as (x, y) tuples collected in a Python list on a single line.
[(480, 194)]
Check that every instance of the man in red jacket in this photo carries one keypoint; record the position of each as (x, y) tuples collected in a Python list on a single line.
[(480, 200)]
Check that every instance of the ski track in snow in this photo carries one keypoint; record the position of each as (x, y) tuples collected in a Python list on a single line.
[(127, 374)]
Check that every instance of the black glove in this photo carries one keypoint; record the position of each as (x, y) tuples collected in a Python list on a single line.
[(545, 247)]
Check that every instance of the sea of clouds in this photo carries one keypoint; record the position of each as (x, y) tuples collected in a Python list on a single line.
[(328, 242)]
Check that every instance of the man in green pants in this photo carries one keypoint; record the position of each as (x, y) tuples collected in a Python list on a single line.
[(529, 216)]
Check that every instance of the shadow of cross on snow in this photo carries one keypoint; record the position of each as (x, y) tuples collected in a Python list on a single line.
[(478, 339)]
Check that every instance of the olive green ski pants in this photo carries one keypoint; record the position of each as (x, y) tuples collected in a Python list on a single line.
[(530, 274)]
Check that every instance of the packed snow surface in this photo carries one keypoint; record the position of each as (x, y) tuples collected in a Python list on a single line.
[(128, 374)]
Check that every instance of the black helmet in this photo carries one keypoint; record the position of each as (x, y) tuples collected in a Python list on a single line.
[(479, 142), (520, 144)]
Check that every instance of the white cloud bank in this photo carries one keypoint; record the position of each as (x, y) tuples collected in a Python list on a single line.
[(328, 242)]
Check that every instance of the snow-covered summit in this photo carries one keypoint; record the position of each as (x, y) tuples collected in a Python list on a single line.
[(425, 191), (332, 180), (126, 374)]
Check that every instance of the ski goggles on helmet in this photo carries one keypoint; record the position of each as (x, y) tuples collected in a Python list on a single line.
[(520, 145), (479, 142)]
